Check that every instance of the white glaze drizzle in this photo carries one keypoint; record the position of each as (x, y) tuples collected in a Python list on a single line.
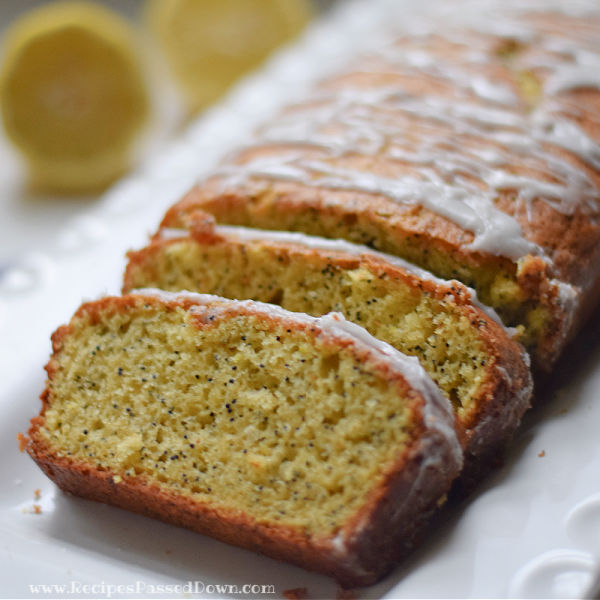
[(456, 180), (437, 410), (494, 230)]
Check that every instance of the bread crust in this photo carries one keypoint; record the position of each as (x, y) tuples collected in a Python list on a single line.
[(368, 545), (364, 560)]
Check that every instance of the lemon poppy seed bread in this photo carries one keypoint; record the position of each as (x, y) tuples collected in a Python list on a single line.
[(470, 149), (302, 438), (465, 351)]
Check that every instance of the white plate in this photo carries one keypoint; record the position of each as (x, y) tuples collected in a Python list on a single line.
[(532, 529)]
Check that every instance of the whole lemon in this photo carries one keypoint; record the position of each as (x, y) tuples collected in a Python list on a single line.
[(210, 43), (72, 94)]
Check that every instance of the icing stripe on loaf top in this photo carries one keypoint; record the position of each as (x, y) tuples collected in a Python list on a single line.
[(460, 138)]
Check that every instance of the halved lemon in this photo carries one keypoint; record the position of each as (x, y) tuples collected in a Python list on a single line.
[(210, 43), (72, 94)]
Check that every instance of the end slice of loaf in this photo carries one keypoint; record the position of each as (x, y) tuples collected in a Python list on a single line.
[(466, 352), (302, 438)]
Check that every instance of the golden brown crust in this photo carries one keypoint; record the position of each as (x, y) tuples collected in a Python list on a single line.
[(287, 203), (365, 561), (369, 544)]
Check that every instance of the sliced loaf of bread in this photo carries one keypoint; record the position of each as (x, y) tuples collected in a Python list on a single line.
[(303, 438), (464, 349)]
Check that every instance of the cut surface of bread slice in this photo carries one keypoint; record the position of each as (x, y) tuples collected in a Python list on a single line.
[(461, 148), (302, 438), (468, 354)]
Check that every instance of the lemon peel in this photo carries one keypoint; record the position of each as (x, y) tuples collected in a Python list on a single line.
[(72, 94)]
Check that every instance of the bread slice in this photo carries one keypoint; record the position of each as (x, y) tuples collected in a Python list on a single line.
[(471, 151), (302, 438), (465, 351)]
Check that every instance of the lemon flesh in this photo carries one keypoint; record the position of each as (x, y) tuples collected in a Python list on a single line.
[(72, 95), (210, 43)]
